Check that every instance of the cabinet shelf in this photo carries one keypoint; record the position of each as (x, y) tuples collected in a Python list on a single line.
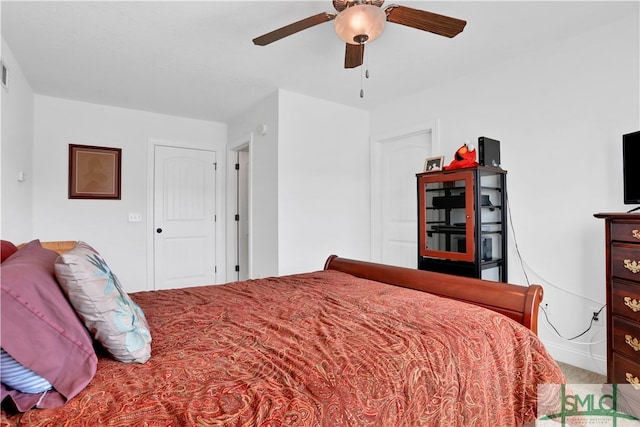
[(461, 228)]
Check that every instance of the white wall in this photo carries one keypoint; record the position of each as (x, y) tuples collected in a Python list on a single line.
[(309, 182), (17, 153), (324, 197), (104, 223), (559, 113)]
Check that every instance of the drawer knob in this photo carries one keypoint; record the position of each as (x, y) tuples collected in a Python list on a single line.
[(633, 304), (632, 266), (635, 234), (634, 381), (633, 342)]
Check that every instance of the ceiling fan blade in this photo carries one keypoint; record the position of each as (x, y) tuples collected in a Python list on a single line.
[(287, 30), (354, 55), (426, 21)]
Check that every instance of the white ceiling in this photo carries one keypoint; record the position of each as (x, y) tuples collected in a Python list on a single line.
[(196, 59)]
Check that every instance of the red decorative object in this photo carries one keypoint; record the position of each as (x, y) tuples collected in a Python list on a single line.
[(465, 157)]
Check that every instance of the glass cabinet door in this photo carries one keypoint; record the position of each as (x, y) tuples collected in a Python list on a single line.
[(446, 220)]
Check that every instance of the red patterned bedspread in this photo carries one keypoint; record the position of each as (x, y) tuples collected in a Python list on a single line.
[(315, 349)]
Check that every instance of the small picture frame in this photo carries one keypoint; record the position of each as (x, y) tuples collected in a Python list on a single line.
[(433, 164), (94, 172)]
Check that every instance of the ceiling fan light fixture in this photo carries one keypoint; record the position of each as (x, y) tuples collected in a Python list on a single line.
[(360, 23)]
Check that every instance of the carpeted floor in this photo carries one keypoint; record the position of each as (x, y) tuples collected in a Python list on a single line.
[(577, 375)]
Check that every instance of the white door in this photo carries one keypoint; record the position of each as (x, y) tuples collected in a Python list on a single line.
[(395, 221), (184, 217)]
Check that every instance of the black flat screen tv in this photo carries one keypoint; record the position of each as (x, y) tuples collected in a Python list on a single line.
[(631, 168)]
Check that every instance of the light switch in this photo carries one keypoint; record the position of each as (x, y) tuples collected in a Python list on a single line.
[(135, 217)]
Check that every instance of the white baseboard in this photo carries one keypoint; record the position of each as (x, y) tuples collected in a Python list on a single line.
[(581, 359)]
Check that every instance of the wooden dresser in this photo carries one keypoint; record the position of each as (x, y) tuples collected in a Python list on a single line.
[(623, 297)]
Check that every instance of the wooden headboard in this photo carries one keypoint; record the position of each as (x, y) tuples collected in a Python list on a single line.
[(520, 303), (60, 247)]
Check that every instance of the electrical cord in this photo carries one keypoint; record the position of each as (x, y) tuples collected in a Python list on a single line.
[(515, 241), (595, 315), (524, 271), (547, 282)]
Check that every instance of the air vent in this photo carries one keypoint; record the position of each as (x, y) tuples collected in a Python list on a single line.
[(5, 76)]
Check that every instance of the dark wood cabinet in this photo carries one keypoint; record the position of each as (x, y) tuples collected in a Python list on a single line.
[(462, 222), (622, 234)]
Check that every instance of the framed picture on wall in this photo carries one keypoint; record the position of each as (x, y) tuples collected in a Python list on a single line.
[(94, 172), (433, 164)]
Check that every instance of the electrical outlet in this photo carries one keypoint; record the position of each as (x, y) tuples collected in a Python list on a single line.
[(135, 217), (597, 316)]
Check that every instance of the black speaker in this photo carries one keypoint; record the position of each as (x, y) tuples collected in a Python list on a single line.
[(488, 152)]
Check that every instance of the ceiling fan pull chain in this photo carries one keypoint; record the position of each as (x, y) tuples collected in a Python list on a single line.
[(366, 63), (364, 71), (361, 83)]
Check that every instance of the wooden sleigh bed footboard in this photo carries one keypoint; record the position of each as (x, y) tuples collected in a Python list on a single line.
[(520, 303)]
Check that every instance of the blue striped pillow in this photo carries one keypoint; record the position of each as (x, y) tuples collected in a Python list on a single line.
[(16, 376)]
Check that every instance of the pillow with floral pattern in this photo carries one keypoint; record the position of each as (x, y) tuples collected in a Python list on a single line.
[(94, 291)]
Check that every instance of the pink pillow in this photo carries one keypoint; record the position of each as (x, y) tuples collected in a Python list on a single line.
[(6, 249), (41, 330)]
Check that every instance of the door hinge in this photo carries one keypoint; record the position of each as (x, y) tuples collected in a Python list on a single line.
[(237, 166), (237, 217), (215, 269), (237, 268), (215, 166)]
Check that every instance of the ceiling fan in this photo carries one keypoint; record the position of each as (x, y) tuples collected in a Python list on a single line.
[(360, 21)]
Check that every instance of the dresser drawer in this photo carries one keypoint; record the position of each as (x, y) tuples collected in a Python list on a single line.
[(625, 371), (626, 337), (625, 232), (625, 299), (625, 261)]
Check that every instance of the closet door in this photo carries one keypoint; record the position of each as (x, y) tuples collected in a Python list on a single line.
[(184, 217)]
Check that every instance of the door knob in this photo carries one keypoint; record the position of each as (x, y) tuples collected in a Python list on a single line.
[(158, 230)]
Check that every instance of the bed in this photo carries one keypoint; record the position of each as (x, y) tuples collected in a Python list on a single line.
[(353, 344)]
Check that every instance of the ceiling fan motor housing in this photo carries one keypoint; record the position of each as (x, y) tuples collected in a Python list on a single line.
[(341, 5)]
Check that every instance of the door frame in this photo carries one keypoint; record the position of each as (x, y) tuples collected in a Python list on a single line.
[(220, 261), (429, 127), (239, 144)]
